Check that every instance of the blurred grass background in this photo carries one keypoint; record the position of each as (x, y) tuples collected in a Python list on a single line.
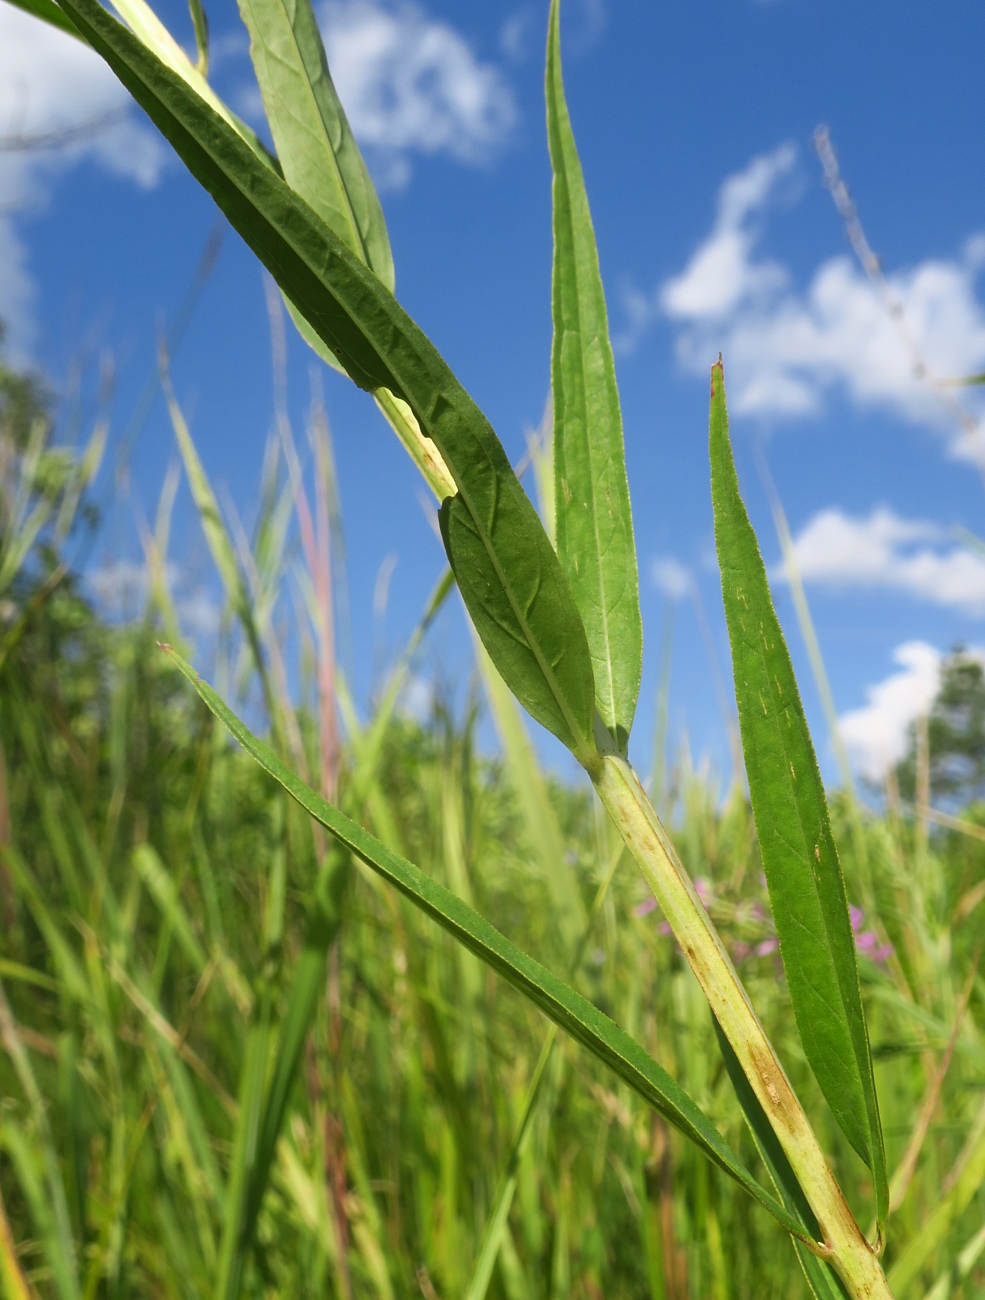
[(153, 900)]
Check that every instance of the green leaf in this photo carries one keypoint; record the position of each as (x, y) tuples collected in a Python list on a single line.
[(154, 36), (806, 886), (314, 142), (594, 518), (308, 982), (821, 1278), (537, 812), (200, 22), (217, 537), (509, 575), (49, 13), (526, 657), (568, 1009), (315, 145)]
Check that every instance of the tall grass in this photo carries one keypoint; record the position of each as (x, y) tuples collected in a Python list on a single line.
[(265, 1075), (155, 887)]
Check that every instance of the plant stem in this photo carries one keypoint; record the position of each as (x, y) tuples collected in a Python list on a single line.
[(844, 1244)]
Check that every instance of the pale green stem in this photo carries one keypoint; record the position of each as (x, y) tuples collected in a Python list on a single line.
[(844, 1244), (423, 452)]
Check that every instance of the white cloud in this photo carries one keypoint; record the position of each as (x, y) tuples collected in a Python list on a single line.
[(883, 550), (417, 698), (722, 273), (52, 84), (876, 735), (119, 589), (410, 83), (515, 35), (787, 348), (670, 577)]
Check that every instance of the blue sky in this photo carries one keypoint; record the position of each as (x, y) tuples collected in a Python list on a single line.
[(715, 232)]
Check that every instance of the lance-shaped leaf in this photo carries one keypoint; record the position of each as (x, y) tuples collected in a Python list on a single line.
[(821, 1278), (806, 886), (594, 519), (315, 146), (568, 1009), (509, 574), (48, 12)]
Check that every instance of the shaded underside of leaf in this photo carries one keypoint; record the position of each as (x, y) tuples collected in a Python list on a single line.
[(594, 518), (567, 1008), (806, 885), (518, 596)]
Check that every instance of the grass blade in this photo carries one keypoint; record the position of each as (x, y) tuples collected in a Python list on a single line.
[(307, 985), (800, 859), (15, 1284), (50, 1205), (568, 1009), (498, 1218), (594, 519), (508, 573), (960, 1187)]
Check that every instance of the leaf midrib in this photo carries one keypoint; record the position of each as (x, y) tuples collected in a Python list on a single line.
[(362, 249), (560, 113)]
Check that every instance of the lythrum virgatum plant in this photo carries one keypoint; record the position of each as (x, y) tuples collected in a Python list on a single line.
[(560, 624)]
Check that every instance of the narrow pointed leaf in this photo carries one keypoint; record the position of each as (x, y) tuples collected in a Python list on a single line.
[(48, 12), (509, 574), (536, 809), (200, 22), (806, 885), (821, 1278), (568, 1009), (307, 984), (594, 519), (315, 145)]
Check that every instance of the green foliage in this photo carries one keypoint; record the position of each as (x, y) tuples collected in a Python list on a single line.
[(174, 871), (505, 566), (955, 735), (24, 401), (594, 520), (800, 858)]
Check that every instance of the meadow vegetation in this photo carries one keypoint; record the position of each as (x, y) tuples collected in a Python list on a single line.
[(270, 1021)]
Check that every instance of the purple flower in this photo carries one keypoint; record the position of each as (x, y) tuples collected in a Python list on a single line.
[(702, 888), (767, 946), (645, 908), (868, 942), (740, 950)]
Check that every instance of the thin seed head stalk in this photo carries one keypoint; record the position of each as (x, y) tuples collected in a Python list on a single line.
[(843, 1243)]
